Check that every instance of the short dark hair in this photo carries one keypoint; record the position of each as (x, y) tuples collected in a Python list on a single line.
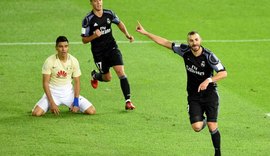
[(192, 33), (61, 39)]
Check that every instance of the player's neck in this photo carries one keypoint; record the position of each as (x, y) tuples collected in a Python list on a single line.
[(62, 58), (197, 53), (98, 13)]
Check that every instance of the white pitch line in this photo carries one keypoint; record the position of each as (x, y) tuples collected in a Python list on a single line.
[(136, 42), (217, 41)]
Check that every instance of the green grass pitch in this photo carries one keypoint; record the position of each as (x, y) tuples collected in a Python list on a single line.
[(236, 31)]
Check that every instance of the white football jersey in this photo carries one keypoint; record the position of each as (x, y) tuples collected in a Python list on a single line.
[(61, 73)]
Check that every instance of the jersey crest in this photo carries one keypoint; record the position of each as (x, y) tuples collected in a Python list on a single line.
[(108, 21), (203, 64)]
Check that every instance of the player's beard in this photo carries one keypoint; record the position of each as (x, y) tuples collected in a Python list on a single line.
[(196, 48)]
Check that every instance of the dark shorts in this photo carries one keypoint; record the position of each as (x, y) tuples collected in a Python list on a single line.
[(110, 59), (204, 102)]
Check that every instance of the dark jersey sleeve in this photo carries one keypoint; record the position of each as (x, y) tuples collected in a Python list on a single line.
[(86, 26), (114, 17), (180, 49), (214, 62)]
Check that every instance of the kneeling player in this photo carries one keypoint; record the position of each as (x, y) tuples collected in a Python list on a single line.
[(58, 71)]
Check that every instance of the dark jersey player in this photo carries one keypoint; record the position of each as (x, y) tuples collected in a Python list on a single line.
[(96, 28), (201, 82)]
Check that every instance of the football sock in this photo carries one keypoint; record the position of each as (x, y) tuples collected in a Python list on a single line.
[(98, 76), (125, 87), (215, 135)]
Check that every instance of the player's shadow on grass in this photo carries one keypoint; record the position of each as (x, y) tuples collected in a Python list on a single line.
[(126, 111), (62, 114)]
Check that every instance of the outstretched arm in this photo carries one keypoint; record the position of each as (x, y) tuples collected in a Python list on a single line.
[(159, 40), (123, 28)]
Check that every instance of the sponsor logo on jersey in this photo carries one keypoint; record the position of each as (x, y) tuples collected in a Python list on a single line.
[(104, 30), (61, 74), (194, 69)]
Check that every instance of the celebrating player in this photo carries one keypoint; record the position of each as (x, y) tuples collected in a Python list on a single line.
[(96, 28), (201, 82), (58, 71)]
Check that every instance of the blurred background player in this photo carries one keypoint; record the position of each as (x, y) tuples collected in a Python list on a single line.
[(201, 82), (58, 71), (96, 28)]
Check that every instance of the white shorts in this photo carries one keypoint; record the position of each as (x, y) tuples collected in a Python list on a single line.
[(63, 95)]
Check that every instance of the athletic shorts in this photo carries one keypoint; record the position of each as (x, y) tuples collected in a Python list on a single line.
[(110, 59), (63, 95), (205, 102)]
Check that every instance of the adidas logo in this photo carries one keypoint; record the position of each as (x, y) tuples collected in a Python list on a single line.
[(95, 25)]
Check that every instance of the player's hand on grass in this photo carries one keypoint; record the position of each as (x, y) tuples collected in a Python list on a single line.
[(75, 105), (54, 109), (74, 109)]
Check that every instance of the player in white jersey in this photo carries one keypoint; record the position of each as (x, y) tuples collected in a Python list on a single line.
[(58, 71)]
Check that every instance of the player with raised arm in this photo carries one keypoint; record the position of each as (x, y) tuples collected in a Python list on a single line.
[(200, 63)]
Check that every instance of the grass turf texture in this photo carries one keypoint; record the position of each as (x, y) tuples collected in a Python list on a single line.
[(159, 125)]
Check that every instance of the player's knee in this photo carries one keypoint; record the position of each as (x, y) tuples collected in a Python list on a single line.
[(90, 111), (37, 114), (37, 111), (212, 126), (197, 129), (198, 126), (120, 73), (119, 70)]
